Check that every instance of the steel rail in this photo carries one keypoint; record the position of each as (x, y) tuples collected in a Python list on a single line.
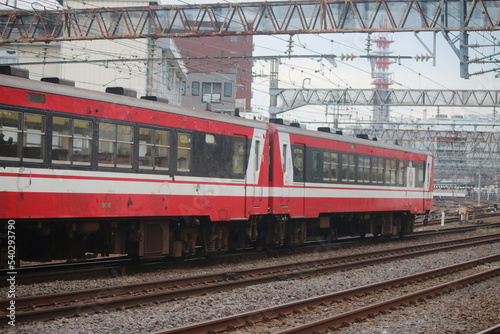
[(371, 310), (282, 311), (154, 292)]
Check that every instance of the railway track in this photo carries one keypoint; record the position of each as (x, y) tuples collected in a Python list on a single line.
[(97, 300), (473, 216), (426, 285), (122, 266), (68, 270)]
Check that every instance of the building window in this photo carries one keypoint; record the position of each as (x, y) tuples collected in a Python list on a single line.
[(233, 70), (228, 89), (8, 56), (211, 92), (234, 39), (183, 88), (195, 88)]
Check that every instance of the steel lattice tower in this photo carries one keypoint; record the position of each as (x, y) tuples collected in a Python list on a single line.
[(382, 78)]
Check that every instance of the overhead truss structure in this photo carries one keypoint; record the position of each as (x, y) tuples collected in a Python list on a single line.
[(457, 154), (294, 98), (257, 18)]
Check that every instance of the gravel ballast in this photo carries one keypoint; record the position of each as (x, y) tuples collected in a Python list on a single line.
[(465, 311)]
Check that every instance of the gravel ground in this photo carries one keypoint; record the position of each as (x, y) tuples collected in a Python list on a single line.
[(466, 311)]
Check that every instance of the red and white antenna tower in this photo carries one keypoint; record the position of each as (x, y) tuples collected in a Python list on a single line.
[(382, 77)]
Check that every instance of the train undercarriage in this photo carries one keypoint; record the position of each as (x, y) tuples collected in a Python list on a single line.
[(183, 237)]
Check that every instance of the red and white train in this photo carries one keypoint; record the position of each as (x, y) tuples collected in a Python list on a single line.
[(85, 171)]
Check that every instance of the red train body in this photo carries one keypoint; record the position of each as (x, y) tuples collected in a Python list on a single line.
[(88, 172)]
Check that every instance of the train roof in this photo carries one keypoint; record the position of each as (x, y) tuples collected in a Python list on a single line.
[(52, 88), (347, 139)]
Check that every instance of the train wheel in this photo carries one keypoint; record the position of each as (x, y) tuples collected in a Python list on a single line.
[(333, 235)]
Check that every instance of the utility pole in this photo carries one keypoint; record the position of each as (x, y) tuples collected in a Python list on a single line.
[(479, 188), (273, 84)]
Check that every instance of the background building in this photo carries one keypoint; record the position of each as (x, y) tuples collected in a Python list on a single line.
[(149, 66), (219, 73)]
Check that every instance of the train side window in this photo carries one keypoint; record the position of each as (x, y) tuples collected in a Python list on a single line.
[(377, 170), (209, 138), (10, 135), (162, 149), (330, 166), (184, 152), (33, 137), (364, 169), (420, 173), (71, 141), (107, 144), (238, 160), (82, 142), (62, 141), (390, 172), (146, 148), (124, 145), (316, 165), (257, 155), (401, 173), (298, 164), (284, 157), (154, 148), (348, 168), (115, 145)]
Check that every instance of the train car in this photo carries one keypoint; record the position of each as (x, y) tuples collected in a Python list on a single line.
[(85, 172), (325, 185)]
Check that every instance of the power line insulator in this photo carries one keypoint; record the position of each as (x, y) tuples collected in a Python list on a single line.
[(347, 56)]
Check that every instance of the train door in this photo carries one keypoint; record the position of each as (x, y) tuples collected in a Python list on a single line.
[(254, 186), (239, 170), (287, 166), (428, 183), (298, 193)]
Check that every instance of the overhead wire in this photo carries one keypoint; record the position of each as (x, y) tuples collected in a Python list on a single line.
[(302, 45)]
